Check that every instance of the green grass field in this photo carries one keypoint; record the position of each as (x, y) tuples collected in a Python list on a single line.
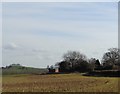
[(59, 83), (22, 70)]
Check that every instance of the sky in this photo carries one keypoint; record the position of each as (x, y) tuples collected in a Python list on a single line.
[(38, 34)]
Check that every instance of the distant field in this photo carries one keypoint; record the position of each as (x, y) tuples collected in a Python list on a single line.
[(22, 70), (59, 83)]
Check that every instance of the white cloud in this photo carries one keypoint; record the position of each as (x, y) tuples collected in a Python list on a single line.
[(38, 50), (10, 46)]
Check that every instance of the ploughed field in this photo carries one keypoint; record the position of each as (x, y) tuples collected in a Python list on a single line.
[(58, 83)]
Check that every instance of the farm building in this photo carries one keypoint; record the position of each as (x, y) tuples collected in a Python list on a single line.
[(56, 69), (53, 69)]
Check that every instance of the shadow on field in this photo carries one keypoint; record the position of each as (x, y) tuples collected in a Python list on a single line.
[(50, 73), (103, 74)]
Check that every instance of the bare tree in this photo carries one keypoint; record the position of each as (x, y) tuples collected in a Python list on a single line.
[(92, 62), (73, 55), (111, 57), (73, 61)]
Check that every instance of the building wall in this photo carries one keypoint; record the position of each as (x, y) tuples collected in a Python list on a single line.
[(57, 70)]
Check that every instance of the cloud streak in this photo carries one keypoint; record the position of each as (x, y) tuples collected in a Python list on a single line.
[(10, 46)]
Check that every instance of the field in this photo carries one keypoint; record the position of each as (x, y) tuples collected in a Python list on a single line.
[(22, 70), (59, 83)]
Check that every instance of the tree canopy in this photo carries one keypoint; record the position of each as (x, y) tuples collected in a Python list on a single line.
[(111, 58)]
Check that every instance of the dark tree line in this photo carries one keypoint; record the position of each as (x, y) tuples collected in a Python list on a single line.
[(74, 61)]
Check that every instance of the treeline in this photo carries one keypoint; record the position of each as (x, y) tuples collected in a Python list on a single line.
[(74, 61)]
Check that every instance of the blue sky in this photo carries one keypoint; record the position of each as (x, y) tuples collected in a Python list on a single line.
[(38, 34)]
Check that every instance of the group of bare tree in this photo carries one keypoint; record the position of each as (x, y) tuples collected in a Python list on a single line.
[(74, 61)]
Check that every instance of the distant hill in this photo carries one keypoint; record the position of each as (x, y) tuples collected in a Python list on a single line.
[(19, 69)]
